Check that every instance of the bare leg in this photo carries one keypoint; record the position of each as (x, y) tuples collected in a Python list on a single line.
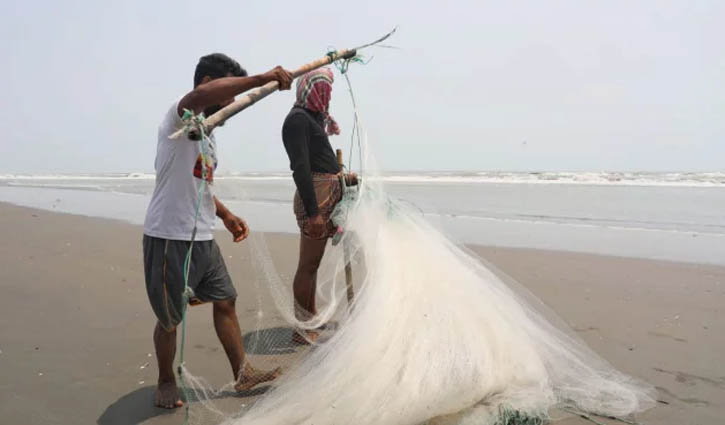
[(305, 282), (167, 394), (227, 329), (230, 335)]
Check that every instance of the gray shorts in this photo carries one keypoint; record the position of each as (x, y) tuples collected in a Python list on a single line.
[(164, 270)]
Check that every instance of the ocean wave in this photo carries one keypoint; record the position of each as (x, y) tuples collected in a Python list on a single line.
[(102, 176), (60, 185), (708, 179), (683, 179)]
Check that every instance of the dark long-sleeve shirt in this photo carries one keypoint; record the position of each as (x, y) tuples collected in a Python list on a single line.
[(309, 150)]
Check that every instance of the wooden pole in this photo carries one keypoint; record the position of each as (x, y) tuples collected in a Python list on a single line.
[(250, 99), (255, 96), (345, 246)]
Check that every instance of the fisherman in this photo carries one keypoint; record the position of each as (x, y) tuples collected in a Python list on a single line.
[(170, 224), (316, 174)]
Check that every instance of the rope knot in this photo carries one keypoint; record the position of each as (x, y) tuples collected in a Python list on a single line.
[(188, 294), (194, 126), (343, 64)]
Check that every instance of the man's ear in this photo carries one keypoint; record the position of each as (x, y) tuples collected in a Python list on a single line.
[(206, 79)]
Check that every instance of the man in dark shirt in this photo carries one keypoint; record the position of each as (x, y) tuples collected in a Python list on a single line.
[(317, 177)]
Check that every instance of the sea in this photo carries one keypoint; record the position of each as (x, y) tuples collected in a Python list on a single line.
[(674, 216)]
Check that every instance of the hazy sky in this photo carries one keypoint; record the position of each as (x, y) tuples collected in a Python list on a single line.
[(506, 85)]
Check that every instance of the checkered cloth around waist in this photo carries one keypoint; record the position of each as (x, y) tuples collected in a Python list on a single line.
[(328, 192)]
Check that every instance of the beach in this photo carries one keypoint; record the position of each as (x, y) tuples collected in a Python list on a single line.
[(537, 213), (75, 329), (535, 230)]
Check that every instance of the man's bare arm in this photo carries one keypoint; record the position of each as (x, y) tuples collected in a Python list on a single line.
[(236, 226), (223, 89), (221, 210)]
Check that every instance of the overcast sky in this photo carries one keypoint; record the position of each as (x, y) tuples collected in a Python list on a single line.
[(506, 85)]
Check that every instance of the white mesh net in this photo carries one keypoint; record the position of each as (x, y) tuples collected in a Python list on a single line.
[(435, 335)]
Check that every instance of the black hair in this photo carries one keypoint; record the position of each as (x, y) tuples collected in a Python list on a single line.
[(217, 65)]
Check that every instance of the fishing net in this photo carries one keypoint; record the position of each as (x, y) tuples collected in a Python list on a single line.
[(433, 334)]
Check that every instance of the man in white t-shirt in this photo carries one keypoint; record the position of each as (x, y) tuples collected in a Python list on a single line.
[(180, 166)]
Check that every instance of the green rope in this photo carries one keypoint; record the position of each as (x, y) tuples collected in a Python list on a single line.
[(192, 121), (343, 64), (510, 416)]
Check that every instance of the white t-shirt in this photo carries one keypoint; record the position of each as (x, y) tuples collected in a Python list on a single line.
[(170, 214)]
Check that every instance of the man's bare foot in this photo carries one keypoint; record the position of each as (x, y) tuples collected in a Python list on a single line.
[(167, 396), (252, 377), (304, 337)]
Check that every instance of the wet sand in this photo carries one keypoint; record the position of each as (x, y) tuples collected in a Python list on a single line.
[(75, 324)]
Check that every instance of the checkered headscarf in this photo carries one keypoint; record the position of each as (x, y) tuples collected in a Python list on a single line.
[(314, 91)]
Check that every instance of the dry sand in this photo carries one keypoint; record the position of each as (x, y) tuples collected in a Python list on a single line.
[(75, 324)]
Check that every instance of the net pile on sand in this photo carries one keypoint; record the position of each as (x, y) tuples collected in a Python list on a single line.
[(434, 336)]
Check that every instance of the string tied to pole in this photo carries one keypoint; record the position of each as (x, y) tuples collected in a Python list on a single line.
[(191, 121)]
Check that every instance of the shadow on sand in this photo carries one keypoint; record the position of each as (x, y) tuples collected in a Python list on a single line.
[(133, 408), (137, 406), (272, 341)]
